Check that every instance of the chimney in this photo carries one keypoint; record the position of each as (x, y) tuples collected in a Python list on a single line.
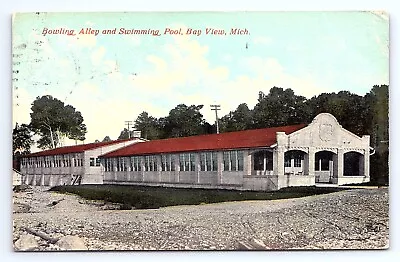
[(137, 133)]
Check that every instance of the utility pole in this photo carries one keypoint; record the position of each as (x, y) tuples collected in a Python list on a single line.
[(216, 108), (128, 123)]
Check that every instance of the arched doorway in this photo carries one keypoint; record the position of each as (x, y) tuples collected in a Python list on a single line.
[(353, 164), (294, 162), (324, 167)]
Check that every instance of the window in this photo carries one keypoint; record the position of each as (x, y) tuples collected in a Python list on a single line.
[(186, 162), (233, 160), (97, 161), (121, 164), (208, 161), (294, 158), (288, 160), (297, 162), (150, 163), (136, 165), (91, 163), (263, 160), (167, 163), (109, 165)]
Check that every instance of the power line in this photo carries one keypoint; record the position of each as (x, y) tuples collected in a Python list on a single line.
[(216, 108), (129, 123)]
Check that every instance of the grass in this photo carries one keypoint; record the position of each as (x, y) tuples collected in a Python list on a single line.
[(146, 197)]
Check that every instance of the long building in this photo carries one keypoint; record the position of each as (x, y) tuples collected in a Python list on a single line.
[(261, 159), (79, 164)]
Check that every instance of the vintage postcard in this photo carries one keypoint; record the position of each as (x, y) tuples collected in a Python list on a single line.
[(200, 131)]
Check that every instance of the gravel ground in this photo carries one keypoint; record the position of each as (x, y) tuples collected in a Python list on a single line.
[(353, 219)]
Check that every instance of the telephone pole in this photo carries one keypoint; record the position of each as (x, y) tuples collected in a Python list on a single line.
[(129, 123), (216, 108)]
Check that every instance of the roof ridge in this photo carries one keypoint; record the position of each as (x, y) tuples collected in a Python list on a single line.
[(250, 138)]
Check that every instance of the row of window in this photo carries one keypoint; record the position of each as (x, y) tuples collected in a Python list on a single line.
[(263, 160), (233, 161), (52, 161), (58, 161)]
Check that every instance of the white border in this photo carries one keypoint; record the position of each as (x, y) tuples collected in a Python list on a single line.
[(8, 7)]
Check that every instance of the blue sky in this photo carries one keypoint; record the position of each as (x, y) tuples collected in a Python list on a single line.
[(113, 78)]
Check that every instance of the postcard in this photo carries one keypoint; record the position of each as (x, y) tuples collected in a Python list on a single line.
[(200, 131)]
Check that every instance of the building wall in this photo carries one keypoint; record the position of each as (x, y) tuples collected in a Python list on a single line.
[(326, 134), (323, 134), (93, 174), (219, 177), (45, 171)]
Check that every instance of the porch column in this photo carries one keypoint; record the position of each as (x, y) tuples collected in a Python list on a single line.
[(339, 165), (279, 161), (366, 163), (311, 162)]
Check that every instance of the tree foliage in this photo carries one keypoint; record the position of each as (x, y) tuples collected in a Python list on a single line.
[(125, 134), (148, 125), (106, 139), (183, 121), (240, 119), (22, 140), (52, 120), (280, 107)]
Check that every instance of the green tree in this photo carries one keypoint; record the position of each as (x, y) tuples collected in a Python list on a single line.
[(240, 119), (184, 121), (280, 107), (125, 134), (349, 109), (106, 139), (148, 125), (52, 120), (378, 104), (22, 140)]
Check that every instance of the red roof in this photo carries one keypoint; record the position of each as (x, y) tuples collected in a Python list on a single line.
[(75, 149), (231, 140)]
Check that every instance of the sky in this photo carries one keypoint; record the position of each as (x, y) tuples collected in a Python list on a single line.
[(112, 78)]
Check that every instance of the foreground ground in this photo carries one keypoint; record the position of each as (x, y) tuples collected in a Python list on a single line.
[(353, 219)]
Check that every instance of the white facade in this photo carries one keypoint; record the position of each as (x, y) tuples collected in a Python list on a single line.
[(322, 152), (68, 168)]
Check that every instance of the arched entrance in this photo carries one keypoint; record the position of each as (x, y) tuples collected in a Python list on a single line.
[(353, 164), (324, 166), (294, 162)]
